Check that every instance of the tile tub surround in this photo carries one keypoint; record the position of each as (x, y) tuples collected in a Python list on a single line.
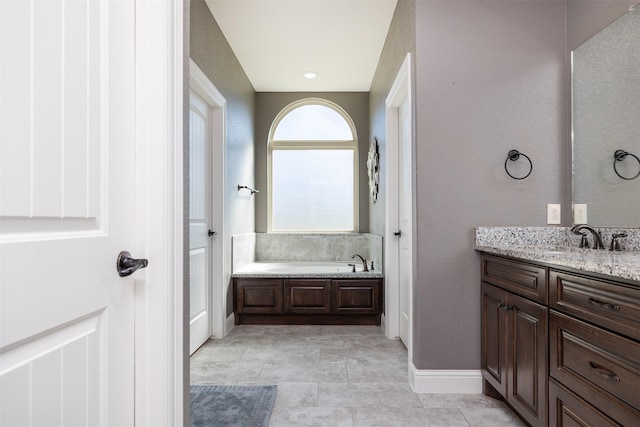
[(268, 247), (243, 250), (558, 246), (350, 376)]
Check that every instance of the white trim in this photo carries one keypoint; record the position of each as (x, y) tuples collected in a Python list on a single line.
[(201, 84), (445, 381), (400, 89), (220, 252), (159, 323), (229, 324)]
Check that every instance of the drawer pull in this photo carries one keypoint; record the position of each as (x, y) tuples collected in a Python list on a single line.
[(608, 306), (607, 373)]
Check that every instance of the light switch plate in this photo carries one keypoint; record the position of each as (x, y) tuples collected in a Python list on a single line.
[(580, 214), (553, 214)]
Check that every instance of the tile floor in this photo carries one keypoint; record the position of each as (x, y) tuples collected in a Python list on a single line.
[(335, 376)]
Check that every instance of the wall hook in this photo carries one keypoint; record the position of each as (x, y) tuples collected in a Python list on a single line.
[(514, 155), (253, 190), (619, 156)]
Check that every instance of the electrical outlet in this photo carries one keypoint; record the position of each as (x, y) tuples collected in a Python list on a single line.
[(553, 214), (579, 214)]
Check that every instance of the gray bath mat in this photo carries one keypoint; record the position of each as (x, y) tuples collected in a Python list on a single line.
[(231, 405)]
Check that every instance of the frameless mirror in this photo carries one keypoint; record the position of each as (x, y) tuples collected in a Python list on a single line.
[(606, 118)]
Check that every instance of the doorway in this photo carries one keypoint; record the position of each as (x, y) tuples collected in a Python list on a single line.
[(208, 256), (398, 247)]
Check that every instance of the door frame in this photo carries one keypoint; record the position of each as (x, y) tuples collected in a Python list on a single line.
[(161, 393), (200, 83), (400, 90)]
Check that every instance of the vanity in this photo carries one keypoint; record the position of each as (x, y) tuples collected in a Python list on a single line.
[(561, 333)]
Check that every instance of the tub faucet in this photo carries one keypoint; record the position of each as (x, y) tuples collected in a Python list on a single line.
[(364, 262), (597, 240)]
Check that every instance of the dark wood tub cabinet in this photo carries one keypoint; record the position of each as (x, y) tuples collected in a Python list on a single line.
[(307, 301)]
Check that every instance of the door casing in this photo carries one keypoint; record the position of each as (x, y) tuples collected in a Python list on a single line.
[(161, 392)]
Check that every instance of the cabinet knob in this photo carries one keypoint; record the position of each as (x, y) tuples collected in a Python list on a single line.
[(504, 307)]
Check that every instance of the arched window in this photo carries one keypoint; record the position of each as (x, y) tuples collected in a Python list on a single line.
[(313, 169)]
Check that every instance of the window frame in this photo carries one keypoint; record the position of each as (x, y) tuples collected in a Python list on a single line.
[(351, 145)]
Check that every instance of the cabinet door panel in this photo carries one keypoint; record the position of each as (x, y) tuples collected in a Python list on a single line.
[(307, 296), (258, 296), (494, 350), (356, 296), (527, 376)]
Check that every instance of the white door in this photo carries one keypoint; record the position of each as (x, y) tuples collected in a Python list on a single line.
[(200, 136), (404, 221), (66, 211)]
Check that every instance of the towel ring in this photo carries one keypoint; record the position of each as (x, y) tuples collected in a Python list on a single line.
[(514, 155), (619, 156)]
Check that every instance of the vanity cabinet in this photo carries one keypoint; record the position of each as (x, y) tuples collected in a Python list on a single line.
[(514, 338), (562, 348), (307, 301), (594, 329)]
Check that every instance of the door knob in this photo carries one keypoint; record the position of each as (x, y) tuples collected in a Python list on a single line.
[(212, 233), (398, 233), (127, 265)]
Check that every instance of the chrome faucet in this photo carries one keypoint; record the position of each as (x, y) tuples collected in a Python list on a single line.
[(364, 262), (584, 243)]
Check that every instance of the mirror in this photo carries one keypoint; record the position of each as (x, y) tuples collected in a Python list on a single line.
[(606, 118)]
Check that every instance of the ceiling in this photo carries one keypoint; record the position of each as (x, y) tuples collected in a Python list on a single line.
[(277, 41)]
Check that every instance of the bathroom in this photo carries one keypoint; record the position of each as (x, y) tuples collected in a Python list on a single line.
[(488, 77)]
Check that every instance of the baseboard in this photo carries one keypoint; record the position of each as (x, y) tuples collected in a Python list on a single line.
[(445, 381), (229, 324)]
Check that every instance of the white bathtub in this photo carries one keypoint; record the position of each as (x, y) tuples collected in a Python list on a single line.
[(303, 268)]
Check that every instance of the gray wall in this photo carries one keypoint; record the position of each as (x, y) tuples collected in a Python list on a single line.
[(211, 51), (269, 104), (489, 76), (400, 41)]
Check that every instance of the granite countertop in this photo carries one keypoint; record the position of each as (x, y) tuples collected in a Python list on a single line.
[(301, 270), (357, 275), (623, 264)]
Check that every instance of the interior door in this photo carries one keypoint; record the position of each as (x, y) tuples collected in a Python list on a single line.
[(200, 137), (405, 221), (66, 211)]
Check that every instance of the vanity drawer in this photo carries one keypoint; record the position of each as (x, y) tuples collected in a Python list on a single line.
[(596, 363), (568, 410), (524, 279), (611, 305)]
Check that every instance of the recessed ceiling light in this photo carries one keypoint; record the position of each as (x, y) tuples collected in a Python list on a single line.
[(310, 75)]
